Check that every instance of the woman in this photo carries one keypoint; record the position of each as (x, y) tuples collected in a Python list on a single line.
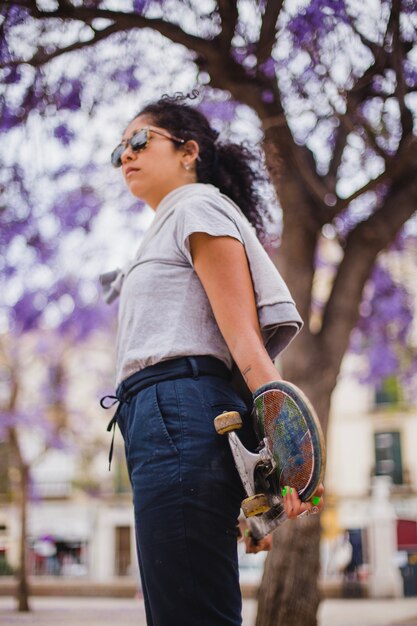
[(200, 295)]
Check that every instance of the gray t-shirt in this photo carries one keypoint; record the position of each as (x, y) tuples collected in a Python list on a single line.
[(164, 311)]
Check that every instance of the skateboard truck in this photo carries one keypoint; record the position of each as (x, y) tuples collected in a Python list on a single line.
[(264, 509), (247, 462)]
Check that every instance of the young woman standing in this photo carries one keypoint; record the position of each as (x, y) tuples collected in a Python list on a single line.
[(200, 295)]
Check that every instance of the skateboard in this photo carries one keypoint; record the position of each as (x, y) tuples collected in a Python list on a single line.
[(291, 452)]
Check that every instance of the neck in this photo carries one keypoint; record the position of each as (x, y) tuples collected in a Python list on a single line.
[(157, 198)]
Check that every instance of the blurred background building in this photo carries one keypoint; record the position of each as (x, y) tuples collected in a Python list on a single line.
[(80, 517)]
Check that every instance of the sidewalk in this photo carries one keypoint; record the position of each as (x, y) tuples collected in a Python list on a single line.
[(368, 612), (130, 612)]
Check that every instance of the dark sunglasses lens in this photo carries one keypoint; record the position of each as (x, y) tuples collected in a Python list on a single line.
[(116, 156), (139, 140)]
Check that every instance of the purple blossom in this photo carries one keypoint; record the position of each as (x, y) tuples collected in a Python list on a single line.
[(62, 171), (316, 21), (27, 312), (409, 6), (268, 67), (242, 53), (126, 78), (140, 5), (64, 134), (267, 96), (224, 110), (383, 327), (68, 94), (76, 208), (14, 15), (9, 117), (13, 75), (410, 73)]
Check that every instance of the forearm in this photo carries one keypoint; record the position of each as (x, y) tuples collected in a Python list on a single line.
[(252, 359)]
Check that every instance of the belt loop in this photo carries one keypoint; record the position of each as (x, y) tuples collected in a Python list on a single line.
[(192, 361)]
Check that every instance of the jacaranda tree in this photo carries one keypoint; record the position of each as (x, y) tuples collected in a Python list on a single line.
[(333, 86)]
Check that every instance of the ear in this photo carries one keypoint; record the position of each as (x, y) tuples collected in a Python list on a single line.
[(191, 150)]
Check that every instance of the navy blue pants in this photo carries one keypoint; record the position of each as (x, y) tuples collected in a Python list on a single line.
[(186, 491)]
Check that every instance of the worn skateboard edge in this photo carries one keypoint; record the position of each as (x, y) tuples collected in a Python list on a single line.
[(310, 415)]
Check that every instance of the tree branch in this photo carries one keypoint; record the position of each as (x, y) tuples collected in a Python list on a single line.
[(268, 30), (229, 15), (41, 57), (396, 170), (123, 21), (397, 57), (305, 163), (364, 242)]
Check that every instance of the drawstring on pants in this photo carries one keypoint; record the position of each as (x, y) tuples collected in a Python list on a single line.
[(113, 421)]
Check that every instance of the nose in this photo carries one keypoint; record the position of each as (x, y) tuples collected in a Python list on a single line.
[(127, 154)]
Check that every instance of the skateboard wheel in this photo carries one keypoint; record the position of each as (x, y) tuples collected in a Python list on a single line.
[(227, 421), (255, 505)]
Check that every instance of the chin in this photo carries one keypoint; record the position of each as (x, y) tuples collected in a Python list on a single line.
[(137, 190)]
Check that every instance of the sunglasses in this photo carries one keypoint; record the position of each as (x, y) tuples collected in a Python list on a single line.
[(138, 142)]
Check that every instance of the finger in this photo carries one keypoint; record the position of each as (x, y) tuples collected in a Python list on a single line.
[(267, 543), (264, 544), (291, 502), (250, 543), (296, 504), (254, 548), (317, 498), (295, 500), (286, 500)]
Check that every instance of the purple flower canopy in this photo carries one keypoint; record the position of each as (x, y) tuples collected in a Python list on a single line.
[(53, 98), (383, 330)]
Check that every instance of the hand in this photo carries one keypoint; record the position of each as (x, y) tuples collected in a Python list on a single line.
[(253, 547), (295, 508)]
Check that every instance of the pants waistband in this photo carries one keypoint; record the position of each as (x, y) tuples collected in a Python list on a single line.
[(183, 367)]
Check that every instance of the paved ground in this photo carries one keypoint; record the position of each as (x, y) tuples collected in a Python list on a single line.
[(126, 612), (368, 612)]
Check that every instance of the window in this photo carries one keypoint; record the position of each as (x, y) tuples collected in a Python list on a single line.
[(388, 392), (388, 456)]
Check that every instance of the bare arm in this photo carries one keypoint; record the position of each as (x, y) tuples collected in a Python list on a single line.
[(222, 266)]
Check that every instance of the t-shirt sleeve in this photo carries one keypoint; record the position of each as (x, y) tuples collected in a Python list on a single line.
[(203, 217)]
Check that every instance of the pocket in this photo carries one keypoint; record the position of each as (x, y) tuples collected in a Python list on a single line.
[(223, 398), (168, 420), (148, 440)]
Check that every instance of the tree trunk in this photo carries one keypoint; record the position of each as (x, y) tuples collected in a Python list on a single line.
[(23, 585), (22, 592), (288, 593)]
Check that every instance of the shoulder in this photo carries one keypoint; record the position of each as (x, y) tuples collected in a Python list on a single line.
[(203, 210), (203, 201)]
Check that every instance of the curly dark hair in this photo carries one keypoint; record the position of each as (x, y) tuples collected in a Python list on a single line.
[(232, 168)]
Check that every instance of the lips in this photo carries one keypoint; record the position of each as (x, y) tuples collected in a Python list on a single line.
[(129, 170)]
